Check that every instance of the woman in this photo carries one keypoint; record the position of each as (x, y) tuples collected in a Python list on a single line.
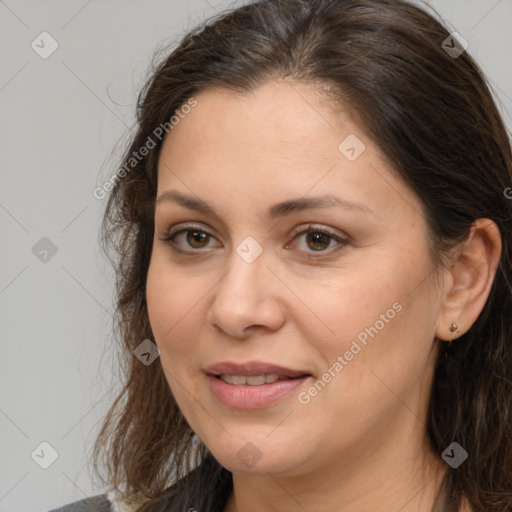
[(313, 225)]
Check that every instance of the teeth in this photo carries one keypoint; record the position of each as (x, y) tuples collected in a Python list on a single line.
[(253, 380)]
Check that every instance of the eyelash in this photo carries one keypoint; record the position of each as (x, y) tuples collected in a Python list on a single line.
[(169, 240)]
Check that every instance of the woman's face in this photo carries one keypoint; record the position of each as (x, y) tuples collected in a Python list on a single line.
[(351, 307)]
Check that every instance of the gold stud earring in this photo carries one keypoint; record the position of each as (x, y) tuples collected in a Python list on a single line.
[(454, 328)]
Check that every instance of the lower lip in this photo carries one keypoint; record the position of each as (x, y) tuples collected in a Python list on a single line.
[(253, 397)]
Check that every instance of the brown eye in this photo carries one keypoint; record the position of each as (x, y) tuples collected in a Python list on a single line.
[(317, 240), (188, 240), (196, 239)]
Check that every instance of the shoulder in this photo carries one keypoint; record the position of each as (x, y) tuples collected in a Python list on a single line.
[(112, 501), (99, 503)]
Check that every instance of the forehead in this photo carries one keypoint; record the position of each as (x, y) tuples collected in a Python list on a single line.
[(278, 113), (281, 137)]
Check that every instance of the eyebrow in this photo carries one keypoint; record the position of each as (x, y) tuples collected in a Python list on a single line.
[(275, 211)]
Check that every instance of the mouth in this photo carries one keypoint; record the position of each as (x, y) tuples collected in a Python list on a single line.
[(253, 380), (253, 385), (253, 373)]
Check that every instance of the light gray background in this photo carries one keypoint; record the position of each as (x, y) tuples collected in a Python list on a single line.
[(60, 120)]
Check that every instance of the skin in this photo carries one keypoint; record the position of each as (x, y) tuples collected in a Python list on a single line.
[(360, 443)]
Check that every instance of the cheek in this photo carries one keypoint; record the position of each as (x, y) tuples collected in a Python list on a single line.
[(173, 309), (167, 300), (377, 316), (176, 303), (340, 308)]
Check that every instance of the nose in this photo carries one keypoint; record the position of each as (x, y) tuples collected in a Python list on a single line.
[(247, 298)]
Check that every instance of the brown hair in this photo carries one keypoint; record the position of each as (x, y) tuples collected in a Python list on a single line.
[(434, 118)]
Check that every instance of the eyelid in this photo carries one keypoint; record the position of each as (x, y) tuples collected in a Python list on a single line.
[(311, 227), (185, 227), (169, 235)]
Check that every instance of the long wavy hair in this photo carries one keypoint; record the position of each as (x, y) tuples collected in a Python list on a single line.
[(433, 115)]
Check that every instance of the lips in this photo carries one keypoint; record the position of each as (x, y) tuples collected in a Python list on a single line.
[(247, 391), (254, 368)]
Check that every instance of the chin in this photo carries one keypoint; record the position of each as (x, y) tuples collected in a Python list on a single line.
[(260, 456), (255, 466)]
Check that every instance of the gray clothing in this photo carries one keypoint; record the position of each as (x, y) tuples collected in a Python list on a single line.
[(99, 503)]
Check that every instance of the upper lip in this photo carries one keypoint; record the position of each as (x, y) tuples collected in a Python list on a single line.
[(253, 368)]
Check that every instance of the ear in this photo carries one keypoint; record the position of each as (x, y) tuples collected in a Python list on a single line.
[(468, 283)]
